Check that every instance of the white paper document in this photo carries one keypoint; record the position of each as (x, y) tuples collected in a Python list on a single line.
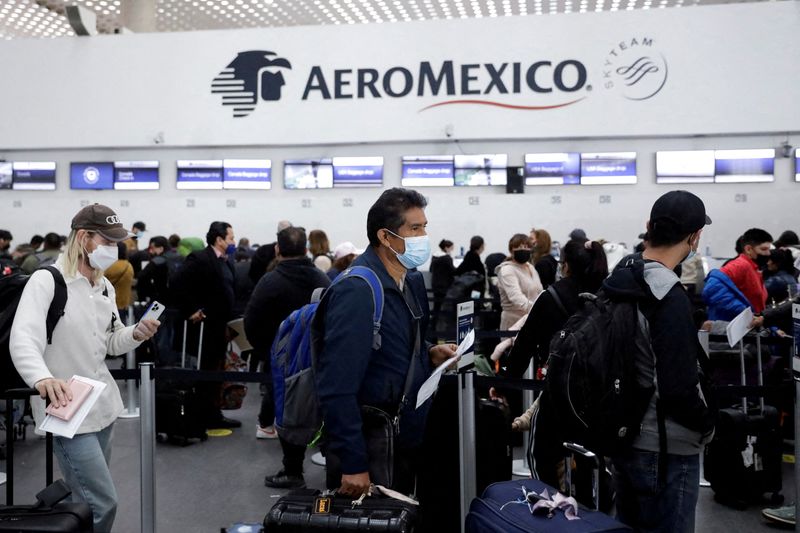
[(739, 326), (65, 428), (432, 383)]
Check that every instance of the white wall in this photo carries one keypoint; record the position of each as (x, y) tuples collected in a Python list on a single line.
[(732, 83), (772, 206)]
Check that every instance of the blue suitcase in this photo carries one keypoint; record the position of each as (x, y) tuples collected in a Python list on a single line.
[(485, 515)]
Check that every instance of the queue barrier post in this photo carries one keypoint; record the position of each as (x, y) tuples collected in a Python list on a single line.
[(131, 406), (466, 415), (147, 393)]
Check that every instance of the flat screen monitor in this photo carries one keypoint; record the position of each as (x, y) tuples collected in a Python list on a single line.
[(744, 166), (608, 168), (480, 169), (247, 174), (6, 175), (205, 174), (358, 172), (136, 175), (34, 176), (685, 166), (93, 175), (553, 169), (796, 165), (428, 171), (308, 174)]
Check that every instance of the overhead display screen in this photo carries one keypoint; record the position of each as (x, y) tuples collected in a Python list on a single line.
[(308, 174), (136, 175), (94, 175), (553, 169), (428, 171), (204, 174), (34, 176), (608, 168), (247, 174), (358, 171), (481, 169), (6, 174), (744, 166), (685, 166)]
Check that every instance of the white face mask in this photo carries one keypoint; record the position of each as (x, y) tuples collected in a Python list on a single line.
[(103, 256)]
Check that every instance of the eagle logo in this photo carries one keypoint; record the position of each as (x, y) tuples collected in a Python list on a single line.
[(252, 75)]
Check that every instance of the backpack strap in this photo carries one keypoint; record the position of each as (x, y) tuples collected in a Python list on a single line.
[(557, 299), (56, 309), (376, 288)]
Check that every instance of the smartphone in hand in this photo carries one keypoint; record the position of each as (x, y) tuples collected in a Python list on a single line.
[(154, 311)]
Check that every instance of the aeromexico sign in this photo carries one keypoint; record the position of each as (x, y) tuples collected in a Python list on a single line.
[(633, 67)]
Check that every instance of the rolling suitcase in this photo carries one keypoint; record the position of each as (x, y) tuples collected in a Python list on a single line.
[(503, 507), (179, 413), (308, 510), (743, 461), (49, 514)]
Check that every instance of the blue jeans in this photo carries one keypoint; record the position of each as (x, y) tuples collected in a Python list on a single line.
[(84, 461), (648, 504)]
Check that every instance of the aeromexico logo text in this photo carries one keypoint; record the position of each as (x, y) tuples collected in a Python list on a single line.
[(447, 78)]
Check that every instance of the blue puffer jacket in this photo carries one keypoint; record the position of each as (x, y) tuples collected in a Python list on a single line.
[(350, 373), (724, 300)]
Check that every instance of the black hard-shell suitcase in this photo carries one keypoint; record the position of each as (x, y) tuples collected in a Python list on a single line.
[(180, 414), (743, 461), (49, 514), (307, 510)]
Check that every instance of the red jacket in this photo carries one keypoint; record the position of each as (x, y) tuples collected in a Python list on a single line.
[(744, 272)]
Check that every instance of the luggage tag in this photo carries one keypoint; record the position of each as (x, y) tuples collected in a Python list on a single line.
[(748, 453)]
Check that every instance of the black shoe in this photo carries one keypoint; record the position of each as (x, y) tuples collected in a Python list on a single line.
[(282, 480), (224, 423)]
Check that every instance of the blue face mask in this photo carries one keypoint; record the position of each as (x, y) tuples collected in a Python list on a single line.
[(418, 250), (231, 249)]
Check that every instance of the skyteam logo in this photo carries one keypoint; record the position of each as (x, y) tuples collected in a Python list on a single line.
[(636, 69), (253, 75), (91, 175)]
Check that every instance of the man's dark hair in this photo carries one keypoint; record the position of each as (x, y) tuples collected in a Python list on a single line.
[(755, 236), (665, 232), (6, 235), (159, 241), (36, 241), (217, 229), (52, 241), (475, 243), (444, 244), (787, 238), (292, 242), (738, 247), (174, 240), (389, 211), (139, 225), (783, 260)]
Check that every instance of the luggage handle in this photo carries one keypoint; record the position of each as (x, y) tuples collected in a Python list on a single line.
[(759, 368), (572, 449), (199, 344), (19, 394)]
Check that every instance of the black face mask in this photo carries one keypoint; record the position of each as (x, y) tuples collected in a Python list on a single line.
[(522, 256), (761, 261)]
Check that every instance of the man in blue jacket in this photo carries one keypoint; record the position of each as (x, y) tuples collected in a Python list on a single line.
[(724, 299), (353, 371)]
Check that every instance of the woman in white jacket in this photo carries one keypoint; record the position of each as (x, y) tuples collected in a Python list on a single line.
[(89, 329), (517, 281)]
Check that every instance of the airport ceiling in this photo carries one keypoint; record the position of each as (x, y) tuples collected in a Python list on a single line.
[(45, 18)]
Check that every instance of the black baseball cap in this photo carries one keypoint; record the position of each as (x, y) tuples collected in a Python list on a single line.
[(685, 211), (103, 220)]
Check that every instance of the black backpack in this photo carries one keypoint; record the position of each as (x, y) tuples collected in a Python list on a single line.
[(10, 292), (598, 392)]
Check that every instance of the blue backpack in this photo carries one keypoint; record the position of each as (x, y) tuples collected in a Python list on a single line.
[(297, 415)]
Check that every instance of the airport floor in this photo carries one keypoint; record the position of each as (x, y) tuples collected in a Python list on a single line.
[(206, 486)]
